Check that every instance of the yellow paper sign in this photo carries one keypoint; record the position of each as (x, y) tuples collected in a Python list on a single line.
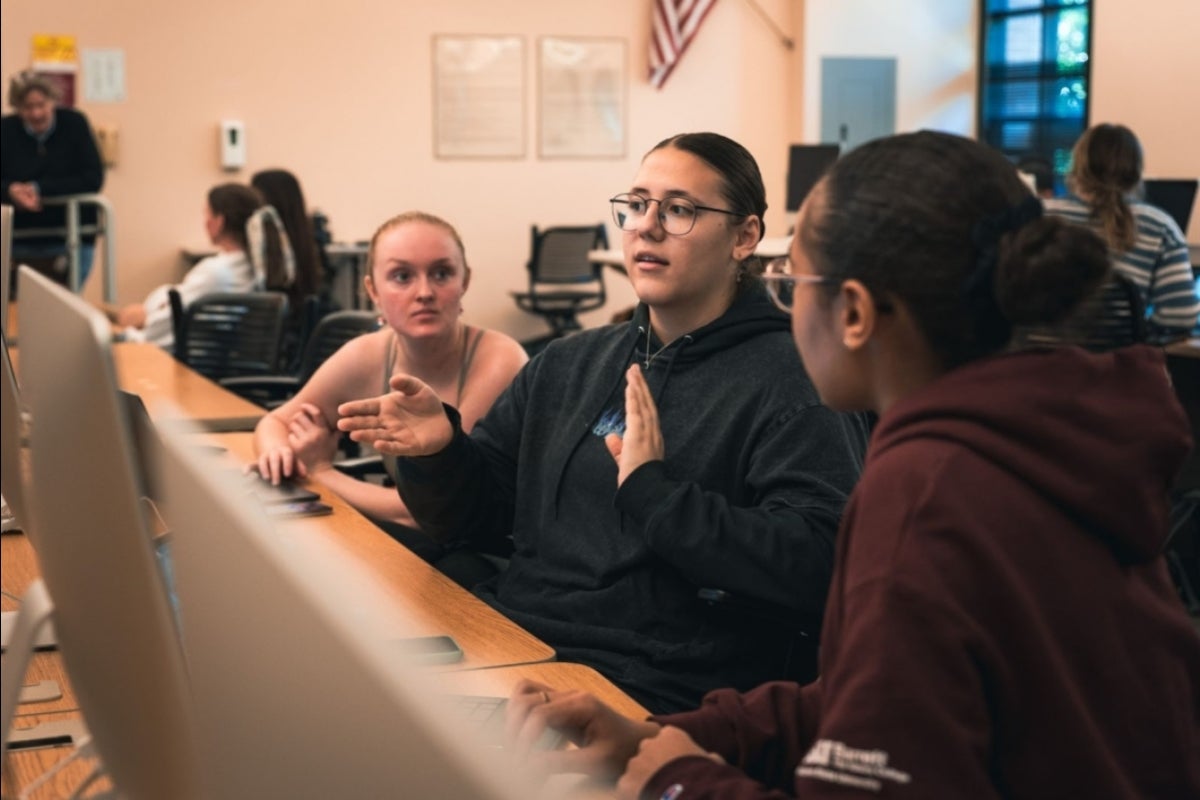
[(51, 49)]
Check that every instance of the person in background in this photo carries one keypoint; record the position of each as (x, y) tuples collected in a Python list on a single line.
[(1000, 623), (285, 201), (418, 276), (616, 524), (47, 151), (227, 212), (1039, 173), (280, 190), (1144, 242)]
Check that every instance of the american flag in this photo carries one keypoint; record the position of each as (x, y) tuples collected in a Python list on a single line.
[(675, 24)]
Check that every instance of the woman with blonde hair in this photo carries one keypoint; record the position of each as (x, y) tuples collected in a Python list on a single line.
[(418, 276)]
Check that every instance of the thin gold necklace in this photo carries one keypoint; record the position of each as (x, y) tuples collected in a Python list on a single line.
[(650, 358)]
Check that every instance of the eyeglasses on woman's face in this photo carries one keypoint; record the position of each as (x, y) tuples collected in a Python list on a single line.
[(677, 215), (781, 280)]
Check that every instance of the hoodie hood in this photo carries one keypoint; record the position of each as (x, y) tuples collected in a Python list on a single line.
[(1070, 424), (752, 313)]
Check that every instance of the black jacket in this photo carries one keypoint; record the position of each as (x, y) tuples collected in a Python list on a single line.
[(67, 163), (747, 499)]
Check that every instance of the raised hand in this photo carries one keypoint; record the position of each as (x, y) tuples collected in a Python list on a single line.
[(408, 421), (643, 440)]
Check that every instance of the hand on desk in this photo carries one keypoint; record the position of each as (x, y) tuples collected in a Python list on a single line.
[(605, 740), (313, 442), (281, 461), (408, 421)]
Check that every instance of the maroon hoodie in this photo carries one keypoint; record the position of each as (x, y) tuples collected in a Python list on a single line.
[(1000, 623)]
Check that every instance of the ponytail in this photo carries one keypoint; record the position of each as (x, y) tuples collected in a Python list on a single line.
[(1046, 270), (1106, 167), (944, 225), (269, 250)]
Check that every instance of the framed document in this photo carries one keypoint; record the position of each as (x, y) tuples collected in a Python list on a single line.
[(478, 96), (582, 88)]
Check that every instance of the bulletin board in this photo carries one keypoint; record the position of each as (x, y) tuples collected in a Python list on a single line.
[(582, 87), (478, 96)]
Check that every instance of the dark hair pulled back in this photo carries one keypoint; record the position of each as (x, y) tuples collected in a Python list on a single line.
[(945, 226), (741, 181)]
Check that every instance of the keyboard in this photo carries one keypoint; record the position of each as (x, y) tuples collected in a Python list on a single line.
[(486, 714)]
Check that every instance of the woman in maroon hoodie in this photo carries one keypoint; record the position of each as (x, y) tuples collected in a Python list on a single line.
[(1000, 623)]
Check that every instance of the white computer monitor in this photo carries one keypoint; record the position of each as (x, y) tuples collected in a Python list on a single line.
[(112, 616), (299, 687), (12, 464), (6, 229)]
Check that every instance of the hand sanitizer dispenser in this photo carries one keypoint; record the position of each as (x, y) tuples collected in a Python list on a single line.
[(233, 144)]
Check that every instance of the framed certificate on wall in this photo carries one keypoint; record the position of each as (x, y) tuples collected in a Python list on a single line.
[(582, 88), (478, 96)]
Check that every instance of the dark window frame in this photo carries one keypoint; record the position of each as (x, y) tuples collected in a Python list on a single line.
[(1051, 135)]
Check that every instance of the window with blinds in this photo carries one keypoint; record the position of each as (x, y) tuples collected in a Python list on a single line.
[(1033, 77)]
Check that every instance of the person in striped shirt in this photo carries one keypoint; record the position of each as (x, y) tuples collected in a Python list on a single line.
[(1144, 242)]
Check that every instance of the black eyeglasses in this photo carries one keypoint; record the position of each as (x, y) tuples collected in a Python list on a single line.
[(677, 215), (781, 282)]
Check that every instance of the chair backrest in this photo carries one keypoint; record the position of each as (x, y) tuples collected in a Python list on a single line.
[(1112, 317), (330, 333), (560, 254), (229, 334)]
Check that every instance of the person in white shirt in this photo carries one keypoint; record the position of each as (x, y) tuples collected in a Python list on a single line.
[(226, 214)]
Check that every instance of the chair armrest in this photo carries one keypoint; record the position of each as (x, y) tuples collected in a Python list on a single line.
[(361, 467), (269, 391)]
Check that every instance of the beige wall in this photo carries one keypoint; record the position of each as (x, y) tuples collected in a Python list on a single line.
[(1145, 59), (934, 43), (342, 97), (1145, 74)]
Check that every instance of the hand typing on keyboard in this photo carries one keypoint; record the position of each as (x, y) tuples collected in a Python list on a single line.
[(487, 715), (605, 740)]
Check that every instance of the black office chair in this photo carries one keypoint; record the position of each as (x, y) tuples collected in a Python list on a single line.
[(562, 281), (1112, 317), (328, 335), (222, 335)]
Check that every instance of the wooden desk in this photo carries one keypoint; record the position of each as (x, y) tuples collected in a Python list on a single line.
[(770, 247), (149, 371), (163, 383), (438, 605), (1188, 348), (18, 569), (25, 766)]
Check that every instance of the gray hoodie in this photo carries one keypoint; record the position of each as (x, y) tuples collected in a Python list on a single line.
[(747, 499)]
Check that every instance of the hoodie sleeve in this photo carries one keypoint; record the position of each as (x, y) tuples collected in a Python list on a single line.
[(911, 724), (779, 546), (466, 492), (761, 734)]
